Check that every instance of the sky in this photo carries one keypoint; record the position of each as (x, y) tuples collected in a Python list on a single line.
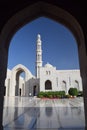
[(59, 46)]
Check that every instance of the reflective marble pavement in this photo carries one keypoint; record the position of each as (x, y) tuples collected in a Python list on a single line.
[(26, 113)]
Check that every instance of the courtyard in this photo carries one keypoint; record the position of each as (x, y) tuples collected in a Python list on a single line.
[(31, 113)]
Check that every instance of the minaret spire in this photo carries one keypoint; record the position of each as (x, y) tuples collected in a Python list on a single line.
[(38, 55)]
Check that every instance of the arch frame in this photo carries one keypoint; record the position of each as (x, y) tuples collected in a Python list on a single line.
[(59, 15), (53, 12), (39, 9), (18, 69)]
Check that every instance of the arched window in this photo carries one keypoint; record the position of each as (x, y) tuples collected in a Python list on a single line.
[(76, 84), (39, 57), (48, 85), (64, 86), (48, 72)]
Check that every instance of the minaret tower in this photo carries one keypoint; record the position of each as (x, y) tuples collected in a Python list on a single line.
[(38, 56)]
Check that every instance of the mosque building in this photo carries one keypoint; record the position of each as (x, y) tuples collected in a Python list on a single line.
[(47, 78)]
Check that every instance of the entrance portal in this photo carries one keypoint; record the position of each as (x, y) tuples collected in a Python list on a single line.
[(35, 91)]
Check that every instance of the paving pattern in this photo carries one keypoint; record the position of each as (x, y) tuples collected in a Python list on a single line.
[(23, 113)]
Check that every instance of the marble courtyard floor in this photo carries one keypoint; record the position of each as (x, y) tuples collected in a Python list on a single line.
[(25, 113)]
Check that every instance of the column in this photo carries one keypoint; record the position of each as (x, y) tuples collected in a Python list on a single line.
[(3, 68)]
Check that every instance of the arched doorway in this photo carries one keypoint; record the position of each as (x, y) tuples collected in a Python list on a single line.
[(19, 90), (48, 85), (34, 90), (20, 80), (32, 12)]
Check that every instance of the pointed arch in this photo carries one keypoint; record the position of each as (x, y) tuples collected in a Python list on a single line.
[(76, 84), (48, 85), (16, 71), (64, 87), (51, 11), (21, 68), (37, 10)]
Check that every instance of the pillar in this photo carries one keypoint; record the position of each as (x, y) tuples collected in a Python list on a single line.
[(84, 80), (83, 70), (3, 68)]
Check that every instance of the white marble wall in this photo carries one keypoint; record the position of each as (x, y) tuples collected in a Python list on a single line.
[(71, 78), (60, 80)]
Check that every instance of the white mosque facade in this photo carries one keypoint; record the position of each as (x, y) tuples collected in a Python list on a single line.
[(47, 78)]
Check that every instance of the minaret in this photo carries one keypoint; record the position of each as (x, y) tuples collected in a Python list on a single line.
[(38, 56)]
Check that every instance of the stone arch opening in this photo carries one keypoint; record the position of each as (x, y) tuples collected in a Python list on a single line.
[(16, 80), (48, 85), (35, 90), (19, 82), (30, 13)]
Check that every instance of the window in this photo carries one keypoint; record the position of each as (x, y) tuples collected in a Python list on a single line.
[(48, 72), (57, 81), (48, 85), (69, 81)]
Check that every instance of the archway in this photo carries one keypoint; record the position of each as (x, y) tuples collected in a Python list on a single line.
[(14, 89), (28, 14), (48, 85), (35, 91), (19, 88)]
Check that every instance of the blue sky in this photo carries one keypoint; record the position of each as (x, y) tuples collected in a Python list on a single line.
[(58, 45)]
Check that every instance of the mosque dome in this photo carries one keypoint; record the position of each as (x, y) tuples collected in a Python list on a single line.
[(48, 65)]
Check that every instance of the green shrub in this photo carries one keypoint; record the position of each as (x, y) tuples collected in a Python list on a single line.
[(62, 93), (40, 96), (52, 94), (73, 91)]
